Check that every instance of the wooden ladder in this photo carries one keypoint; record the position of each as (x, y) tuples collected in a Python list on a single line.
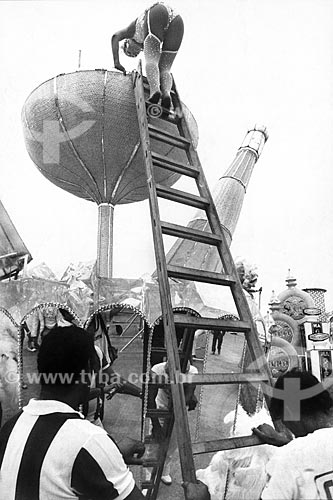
[(178, 417)]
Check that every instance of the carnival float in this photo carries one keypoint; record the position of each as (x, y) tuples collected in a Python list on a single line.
[(92, 113)]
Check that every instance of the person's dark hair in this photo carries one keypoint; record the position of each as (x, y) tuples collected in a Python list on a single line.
[(64, 353), (320, 401)]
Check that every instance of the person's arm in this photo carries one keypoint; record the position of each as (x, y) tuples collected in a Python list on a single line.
[(196, 491), (135, 494), (41, 318), (157, 430), (122, 386), (131, 450), (269, 435), (190, 397), (116, 38), (34, 329)]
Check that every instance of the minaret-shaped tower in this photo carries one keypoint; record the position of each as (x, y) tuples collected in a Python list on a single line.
[(228, 195)]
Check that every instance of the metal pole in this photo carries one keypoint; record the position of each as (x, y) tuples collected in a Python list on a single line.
[(104, 240)]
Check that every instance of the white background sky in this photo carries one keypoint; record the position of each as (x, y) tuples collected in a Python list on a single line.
[(241, 62)]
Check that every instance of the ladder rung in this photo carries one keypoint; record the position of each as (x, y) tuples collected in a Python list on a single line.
[(150, 462), (152, 452), (190, 234), (147, 87), (218, 379), (212, 323), (181, 197), (188, 273), (151, 442), (167, 115), (174, 166), (225, 444), (162, 350), (223, 378), (147, 485), (174, 140), (152, 412)]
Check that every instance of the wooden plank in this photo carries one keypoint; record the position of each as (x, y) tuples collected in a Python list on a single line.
[(174, 166), (153, 412), (222, 378), (191, 274), (159, 134), (227, 325), (190, 234), (147, 485), (183, 197), (225, 444), (217, 379)]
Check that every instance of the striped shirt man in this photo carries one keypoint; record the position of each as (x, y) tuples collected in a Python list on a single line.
[(49, 452)]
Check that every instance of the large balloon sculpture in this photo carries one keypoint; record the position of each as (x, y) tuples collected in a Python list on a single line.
[(81, 130)]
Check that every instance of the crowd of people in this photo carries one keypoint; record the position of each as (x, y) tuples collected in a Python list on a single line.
[(48, 447)]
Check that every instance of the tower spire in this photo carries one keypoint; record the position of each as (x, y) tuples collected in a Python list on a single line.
[(228, 195)]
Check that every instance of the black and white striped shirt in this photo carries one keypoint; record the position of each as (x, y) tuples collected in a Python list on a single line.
[(48, 451)]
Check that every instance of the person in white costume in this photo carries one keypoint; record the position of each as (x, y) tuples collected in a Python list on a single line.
[(302, 469)]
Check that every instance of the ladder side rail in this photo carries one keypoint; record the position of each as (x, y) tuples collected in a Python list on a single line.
[(202, 447), (243, 309), (177, 392), (158, 469), (211, 212)]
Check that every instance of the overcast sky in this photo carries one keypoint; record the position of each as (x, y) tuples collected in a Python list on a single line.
[(241, 62)]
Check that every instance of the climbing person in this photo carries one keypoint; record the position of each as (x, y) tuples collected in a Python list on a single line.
[(158, 32)]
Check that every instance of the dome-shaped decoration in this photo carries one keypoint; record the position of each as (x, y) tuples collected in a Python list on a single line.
[(81, 130), (294, 301)]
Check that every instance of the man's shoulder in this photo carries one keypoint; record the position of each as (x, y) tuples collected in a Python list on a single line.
[(321, 438), (85, 428)]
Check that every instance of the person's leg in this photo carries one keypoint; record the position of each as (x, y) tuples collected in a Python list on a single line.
[(166, 61), (214, 343), (170, 458), (172, 41), (195, 339), (219, 342), (157, 21), (152, 52)]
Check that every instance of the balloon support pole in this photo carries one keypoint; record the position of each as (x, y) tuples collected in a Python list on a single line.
[(105, 240)]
